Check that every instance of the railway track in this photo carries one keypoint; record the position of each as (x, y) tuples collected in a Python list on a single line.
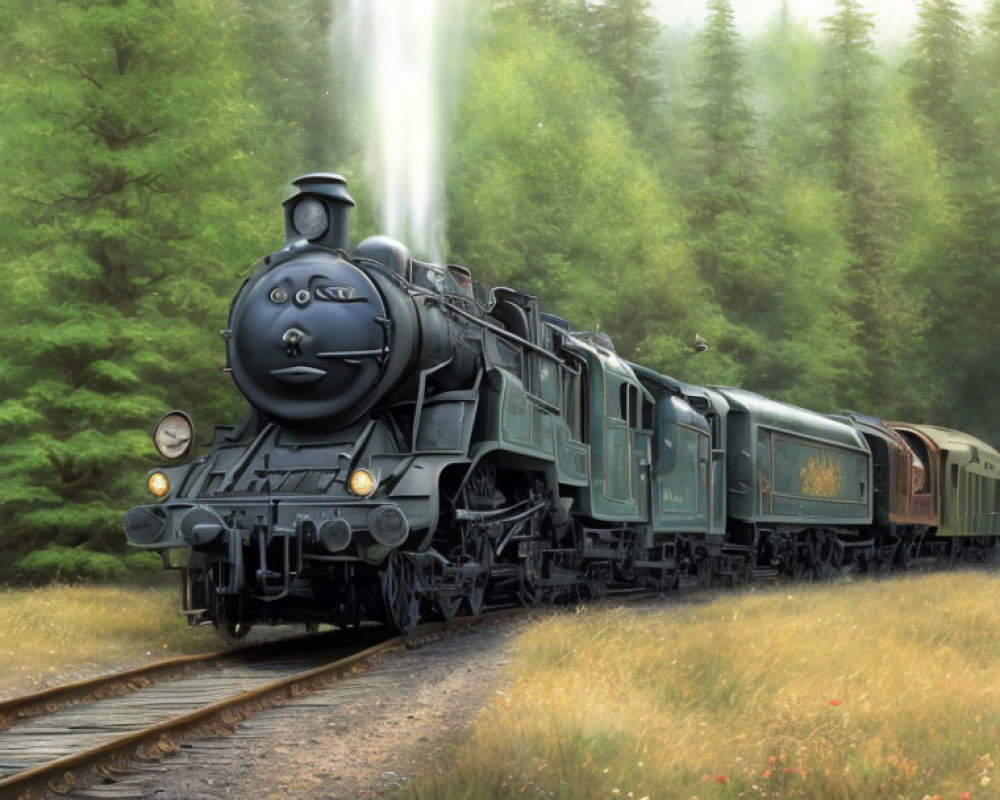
[(69, 737)]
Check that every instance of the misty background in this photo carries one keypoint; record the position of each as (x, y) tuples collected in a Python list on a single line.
[(811, 188), (893, 20)]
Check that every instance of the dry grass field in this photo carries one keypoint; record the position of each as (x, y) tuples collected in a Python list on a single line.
[(871, 689), (52, 634)]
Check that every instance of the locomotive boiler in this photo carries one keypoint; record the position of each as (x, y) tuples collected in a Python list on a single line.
[(415, 446)]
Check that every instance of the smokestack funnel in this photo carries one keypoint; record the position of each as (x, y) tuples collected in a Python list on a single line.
[(320, 212)]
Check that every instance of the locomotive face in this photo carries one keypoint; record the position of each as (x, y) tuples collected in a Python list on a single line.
[(308, 340)]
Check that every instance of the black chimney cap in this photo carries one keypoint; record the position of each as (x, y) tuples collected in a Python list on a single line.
[(320, 211)]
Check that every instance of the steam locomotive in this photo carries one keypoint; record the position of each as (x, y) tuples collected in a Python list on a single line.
[(418, 447)]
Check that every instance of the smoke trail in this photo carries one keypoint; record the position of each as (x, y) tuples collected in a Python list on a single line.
[(400, 54)]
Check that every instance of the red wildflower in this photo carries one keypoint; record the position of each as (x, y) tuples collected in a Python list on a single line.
[(966, 795), (836, 701), (721, 779)]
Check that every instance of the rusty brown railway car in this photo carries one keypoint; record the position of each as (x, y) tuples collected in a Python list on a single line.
[(962, 477), (905, 490)]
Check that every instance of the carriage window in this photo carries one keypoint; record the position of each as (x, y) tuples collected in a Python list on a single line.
[(511, 356), (619, 411), (628, 404), (573, 405), (715, 424), (918, 476)]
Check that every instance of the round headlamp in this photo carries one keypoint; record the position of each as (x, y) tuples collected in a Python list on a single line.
[(174, 436), (310, 218), (158, 484), (362, 483)]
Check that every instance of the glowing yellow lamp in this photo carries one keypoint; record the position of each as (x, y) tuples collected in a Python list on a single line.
[(158, 484), (362, 483)]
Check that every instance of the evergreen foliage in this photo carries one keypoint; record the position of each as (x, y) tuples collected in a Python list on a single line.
[(72, 565), (875, 220), (550, 193), (123, 133), (938, 66)]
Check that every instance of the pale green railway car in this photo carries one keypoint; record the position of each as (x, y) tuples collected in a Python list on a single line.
[(969, 474)]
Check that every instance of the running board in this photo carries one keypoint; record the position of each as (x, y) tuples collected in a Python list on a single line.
[(667, 563), (765, 574)]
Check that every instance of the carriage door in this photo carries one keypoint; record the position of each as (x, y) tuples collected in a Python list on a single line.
[(618, 467), (717, 490), (626, 448), (640, 423)]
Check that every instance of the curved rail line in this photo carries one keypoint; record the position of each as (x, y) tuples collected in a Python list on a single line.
[(144, 741), (48, 701)]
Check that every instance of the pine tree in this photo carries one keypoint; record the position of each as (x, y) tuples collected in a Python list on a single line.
[(622, 36), (718, 161), (812, 357), (938, 69), (965, 282), (848, 94), (847, 111), (724, 117), (888, 309), (134, 203)]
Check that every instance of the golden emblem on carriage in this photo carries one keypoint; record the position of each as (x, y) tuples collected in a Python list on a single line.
[(822, 476)]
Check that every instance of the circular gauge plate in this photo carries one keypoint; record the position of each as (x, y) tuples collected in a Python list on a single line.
[(174, 435)]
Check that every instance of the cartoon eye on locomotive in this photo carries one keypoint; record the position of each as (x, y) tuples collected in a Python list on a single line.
[(416, 447)]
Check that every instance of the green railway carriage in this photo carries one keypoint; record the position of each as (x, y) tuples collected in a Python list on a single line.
[(688, 469), (792, 467), (969, 474), (617, 423), (574, 404)]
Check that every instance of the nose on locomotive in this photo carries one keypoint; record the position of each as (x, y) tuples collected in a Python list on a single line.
[(293, 342)]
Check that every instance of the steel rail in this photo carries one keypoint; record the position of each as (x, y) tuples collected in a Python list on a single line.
[(81, 769), (48, 701)]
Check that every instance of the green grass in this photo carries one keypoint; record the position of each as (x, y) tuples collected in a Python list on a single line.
[(61, 629), (886, 689)]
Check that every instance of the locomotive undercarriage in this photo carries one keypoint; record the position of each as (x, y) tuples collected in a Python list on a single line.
[(277, 561), (520, 545), (828, 553), (921, 548), (758, 553), (525, 547)]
